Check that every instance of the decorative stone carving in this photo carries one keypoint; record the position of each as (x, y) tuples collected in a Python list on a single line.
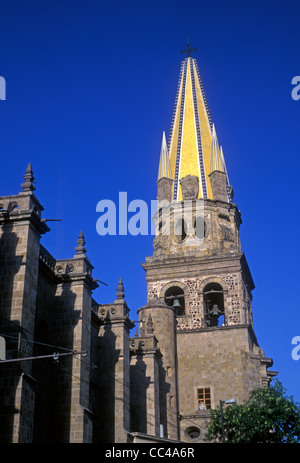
[(226, 233), (189, 187), (161, 242)]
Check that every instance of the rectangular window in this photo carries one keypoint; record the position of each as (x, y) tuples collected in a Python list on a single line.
[(203, 398)]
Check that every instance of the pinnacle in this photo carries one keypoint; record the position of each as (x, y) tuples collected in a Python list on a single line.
[(120, 290), (150, 328), (29, 179), (164, 162), (215, 163), (80, 249)]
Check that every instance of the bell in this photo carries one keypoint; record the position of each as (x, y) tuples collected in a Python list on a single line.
[(176, 304)]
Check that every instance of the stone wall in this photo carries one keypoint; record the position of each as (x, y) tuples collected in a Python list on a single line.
[(226, 360), (237, 301), (145, 368), (20, 230), (111, 376)]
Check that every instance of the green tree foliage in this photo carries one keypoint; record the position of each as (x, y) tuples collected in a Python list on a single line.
[(269, 416)]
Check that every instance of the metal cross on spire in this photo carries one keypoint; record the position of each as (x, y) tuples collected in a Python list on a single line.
[(188, 49)]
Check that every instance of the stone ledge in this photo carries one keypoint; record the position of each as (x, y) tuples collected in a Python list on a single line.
[(214, 328)]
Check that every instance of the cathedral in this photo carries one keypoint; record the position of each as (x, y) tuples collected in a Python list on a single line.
[(72, 370)]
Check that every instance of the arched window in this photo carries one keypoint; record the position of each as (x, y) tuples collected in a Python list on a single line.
[(214, 304), (181, 229), (160, 222), (200, 228), (174, 297)]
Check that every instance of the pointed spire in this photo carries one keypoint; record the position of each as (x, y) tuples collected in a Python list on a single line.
[(191, 131), (150, 328), (215, 163), (120, 290), (223, 163), (80, 249), (164, 162), (193, 148), (29, 179), (217, 173)]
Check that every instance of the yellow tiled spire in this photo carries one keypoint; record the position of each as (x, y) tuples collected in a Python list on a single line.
[(193, 146)]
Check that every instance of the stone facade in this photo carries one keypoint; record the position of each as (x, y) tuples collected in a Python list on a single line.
[(46, 317), (21, 228), (206, 273), (82, 377), (73, 372), (111, 356)]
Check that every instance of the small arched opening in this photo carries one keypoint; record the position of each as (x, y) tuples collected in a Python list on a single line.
[(214, 304), (181, 229), (174, 297), (200, 227)]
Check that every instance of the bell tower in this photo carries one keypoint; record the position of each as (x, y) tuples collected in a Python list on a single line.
[(199, 286)]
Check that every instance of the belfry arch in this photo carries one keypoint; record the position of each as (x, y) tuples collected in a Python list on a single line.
[(174, 295), (213, 292)]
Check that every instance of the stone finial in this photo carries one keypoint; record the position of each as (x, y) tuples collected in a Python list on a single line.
[(150, 328), (80, 249), (29, 179), (120, 290)]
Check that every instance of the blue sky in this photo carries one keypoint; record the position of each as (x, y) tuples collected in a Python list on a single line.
[(90, 88)]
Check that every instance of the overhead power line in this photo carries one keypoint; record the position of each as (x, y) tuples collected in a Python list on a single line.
[(55, 356)]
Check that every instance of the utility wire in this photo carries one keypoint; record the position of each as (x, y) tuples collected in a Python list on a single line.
[(74, 353), (37, 342), (148, 398), (55, 356)]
